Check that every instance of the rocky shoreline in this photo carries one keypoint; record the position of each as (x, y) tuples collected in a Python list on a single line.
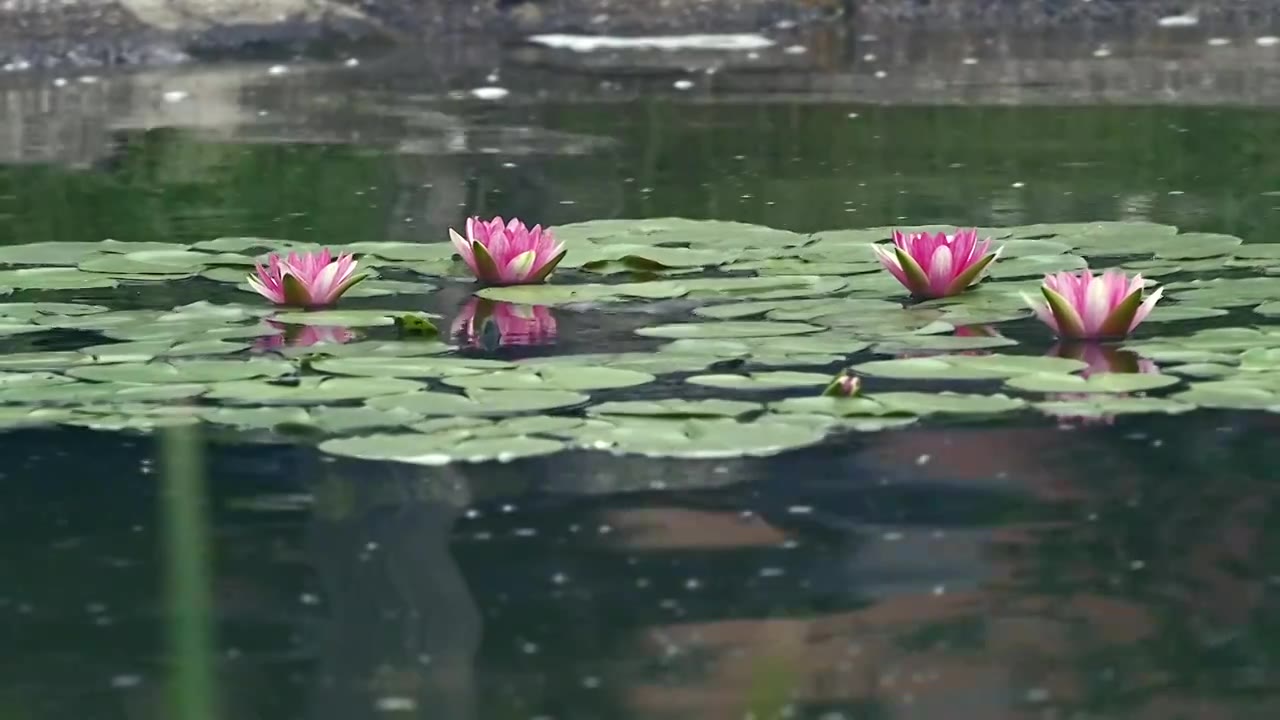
[(96, 33)]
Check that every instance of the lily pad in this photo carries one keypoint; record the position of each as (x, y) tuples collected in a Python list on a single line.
[(676, 407), (552, 377), (440, 448), (1228, 394), (1100, 406), (408, 367), (919, 403), (713, 438), (728, 329), (1096, 383), (342, 318), (183, 371), (53, 278), (479, 402), (761, 380), (310, 390)]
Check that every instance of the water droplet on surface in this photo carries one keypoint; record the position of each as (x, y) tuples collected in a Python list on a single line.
[(1268, 41), (277, 70), (175, 96), (682, 84), (396, 704), (123, 682), (490, 93)]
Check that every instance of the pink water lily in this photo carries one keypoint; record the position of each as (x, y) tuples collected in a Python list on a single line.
[(938, 265), (1084, 306), (308, 280), (485, 323), (508, 253)]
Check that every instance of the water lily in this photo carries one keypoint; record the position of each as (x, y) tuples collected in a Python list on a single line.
[(1084, 306), (308, 280), (304, 336), (846, 384), (508, 253), (490, 325), (937, 265)]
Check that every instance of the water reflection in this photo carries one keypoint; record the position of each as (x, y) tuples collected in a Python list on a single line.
[(304, 336), (1103, 358), (403, 628), (489, 325)]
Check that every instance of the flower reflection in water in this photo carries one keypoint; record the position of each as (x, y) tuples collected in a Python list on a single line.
[(490, 325), (304, 336), (1100, 359)]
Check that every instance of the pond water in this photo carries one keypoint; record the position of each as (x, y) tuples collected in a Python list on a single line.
[(729, 547)]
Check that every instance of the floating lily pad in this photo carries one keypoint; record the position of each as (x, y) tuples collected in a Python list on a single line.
[(1228, 394), (840, 407), (1096, 383), (342, 318), (79, 393), (25, 416), (963, 367), (408, 367), (653, 363), (480, 402), (310, 390), (728, 329), (676, 407), (53, 278), (1107, 405), (947, 402), (761, 380), (183, 371), (440, 448), (1035, 265), (695, 438), (552, 377), (143, 351)]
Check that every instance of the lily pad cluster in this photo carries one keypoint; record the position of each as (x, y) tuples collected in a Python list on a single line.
[(733, 333)]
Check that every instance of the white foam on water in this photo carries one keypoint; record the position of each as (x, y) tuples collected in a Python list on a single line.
[(589, 43)]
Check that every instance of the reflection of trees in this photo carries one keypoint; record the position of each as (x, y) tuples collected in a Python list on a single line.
[(1147, 585), (403, 627)]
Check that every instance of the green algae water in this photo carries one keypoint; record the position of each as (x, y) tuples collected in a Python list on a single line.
[(620, 495)]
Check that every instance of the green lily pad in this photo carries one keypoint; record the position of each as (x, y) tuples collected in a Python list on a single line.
[(33, 310), (727, 329), (962, 367), (919, 403), (839, 407), (1096, 383), (1035, 265), (659, 363), (146, 350), (343, 318), (552, 377), (311, 390), (53, 278), (1228, 394), (711, 438), (761, 380), (408, 367), (183, 371), (480, 402), (440, 448), (1100, 406), (675, 408), (79, 393)]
